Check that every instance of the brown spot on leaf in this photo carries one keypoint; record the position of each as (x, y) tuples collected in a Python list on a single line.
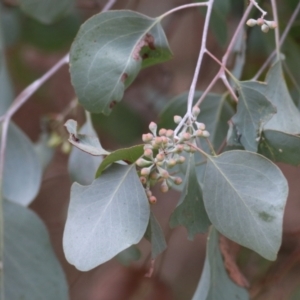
[(124, 77), (229, 250), (147, 41), (112, 104), (74, 138)]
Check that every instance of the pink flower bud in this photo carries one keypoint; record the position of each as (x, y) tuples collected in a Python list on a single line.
[(162, 131)]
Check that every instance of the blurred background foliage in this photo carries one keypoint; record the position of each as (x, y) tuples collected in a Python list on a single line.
[(31, 48)]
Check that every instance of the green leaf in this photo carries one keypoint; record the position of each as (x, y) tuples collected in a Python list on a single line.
[(82, 166), (127, 256), (190, 211), (280, 147), (87, 143), (129, 155), (244, 196), (105, 217), (287, 118), (253, 111), (108, 53), (31, 269), (46, 11), (215, 283), (155, 235), (22, 169)]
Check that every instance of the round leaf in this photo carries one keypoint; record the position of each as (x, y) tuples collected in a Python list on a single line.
[(244, 196), (105, 217), (108, 53)]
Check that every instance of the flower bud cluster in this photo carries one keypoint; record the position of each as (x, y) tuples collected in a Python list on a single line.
[(163, 151), (265, 25)]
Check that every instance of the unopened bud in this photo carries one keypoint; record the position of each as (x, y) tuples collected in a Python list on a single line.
[(199, 133), (147, 137), (171, 163), (251, 22), (205, 134), (148, 153), (271, 24), (164, 187), (162, 131), (181, 160), (148, 146), (164, 140), (169, 133), (160, 157), (260, 21), (265, 28), (154, 175), (143, 180), (177, 119), (145, 171), (152, 200), (177, 180), (143, 162), (187, 148), (153, 127), (200, 126), (179, 148), (196, 111), (186, 136), (163, 173)]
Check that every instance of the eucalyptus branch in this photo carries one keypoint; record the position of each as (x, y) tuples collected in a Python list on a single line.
[(282, 39), (259, 8), (188, 115), (277, 38), (221, 73)]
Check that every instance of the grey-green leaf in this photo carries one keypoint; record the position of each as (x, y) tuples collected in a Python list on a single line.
[(31, 269), (127, 256), (190, 211), (280, 147), (88, 143), (253, 111), (245, 195), (83, 166), (22, 168), (46, 11), (287, 118), (105, 217), (155, 235), (108, 53), (215, 283)]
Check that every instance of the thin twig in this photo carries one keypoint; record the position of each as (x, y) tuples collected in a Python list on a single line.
[(188, 114), (277, 38), (282, 39), (259, 8)]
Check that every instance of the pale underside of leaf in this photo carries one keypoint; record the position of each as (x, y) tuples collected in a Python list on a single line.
[(105, 218), (245, 195), (31, 269)]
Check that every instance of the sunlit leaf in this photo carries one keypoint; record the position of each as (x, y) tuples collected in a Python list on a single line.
[(155, 235), (105, 217), (190, 211), (108, 53), (280, 147), (31, 269), (244, 196), (128, 155), (215, 283), (253, 111), (85, 142), (22, 168), (46, 11), (83, 166)]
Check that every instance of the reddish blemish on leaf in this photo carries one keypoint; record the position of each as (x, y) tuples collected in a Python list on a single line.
[(74, 138), (112, 104), (147, 41), (124, 77)]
